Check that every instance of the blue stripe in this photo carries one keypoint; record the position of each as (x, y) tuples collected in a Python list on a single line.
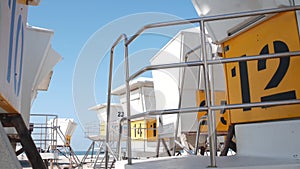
[(12, 26), (21, 62), (16, 53), (9, 3)]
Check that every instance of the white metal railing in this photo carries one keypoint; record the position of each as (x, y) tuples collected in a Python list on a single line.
[(44, 134)]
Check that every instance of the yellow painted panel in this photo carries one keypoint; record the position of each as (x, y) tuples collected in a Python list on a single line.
[(138, 130), (29, 2), (68, 140), (144, 129), (152, 131), (222, 119), (264, 80), (103, 128)]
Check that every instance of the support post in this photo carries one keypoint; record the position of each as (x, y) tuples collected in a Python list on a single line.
[(15, 120), (123, 36), (210, 113)]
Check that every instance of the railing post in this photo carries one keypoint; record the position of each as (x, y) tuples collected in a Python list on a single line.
[(123, 36), (128, 103), (211, 116), (179, 106), (211, 107), (119, 149), (198, 134), (108, 105)]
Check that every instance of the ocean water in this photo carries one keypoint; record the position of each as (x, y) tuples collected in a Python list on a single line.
[(84, 152)]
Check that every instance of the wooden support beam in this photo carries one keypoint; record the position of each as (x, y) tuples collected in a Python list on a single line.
[(228, 142), (20, 151), (15, 120)]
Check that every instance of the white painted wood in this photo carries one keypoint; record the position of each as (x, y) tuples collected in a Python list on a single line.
[(219, 30), (270, 139)]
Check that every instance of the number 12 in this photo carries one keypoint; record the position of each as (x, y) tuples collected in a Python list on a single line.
[(279, 47)]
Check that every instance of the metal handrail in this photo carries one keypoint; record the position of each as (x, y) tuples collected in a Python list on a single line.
[(97, 156), (183, 147), (119, 141), (205, 62), (205, 108), (179, 104), (212, 18), (120, 38), (44, 125), (198, 134), (111, 151), (212, 62)]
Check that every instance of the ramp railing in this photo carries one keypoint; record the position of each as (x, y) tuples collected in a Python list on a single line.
[(204, 63)]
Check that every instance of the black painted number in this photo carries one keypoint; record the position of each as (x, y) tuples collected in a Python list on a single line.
[(281, 71), (222, 112), (244, 79), (276, 79), (120, 114)]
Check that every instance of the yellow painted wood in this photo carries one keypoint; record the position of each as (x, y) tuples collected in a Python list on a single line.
[(254, 81), (4, 104), (29, 2), (144, 129), (222, 119)]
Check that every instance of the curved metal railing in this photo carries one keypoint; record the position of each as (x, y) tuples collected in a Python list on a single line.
[(205, 64)]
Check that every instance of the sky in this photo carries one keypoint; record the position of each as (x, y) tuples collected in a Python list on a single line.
[(85, 30)]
